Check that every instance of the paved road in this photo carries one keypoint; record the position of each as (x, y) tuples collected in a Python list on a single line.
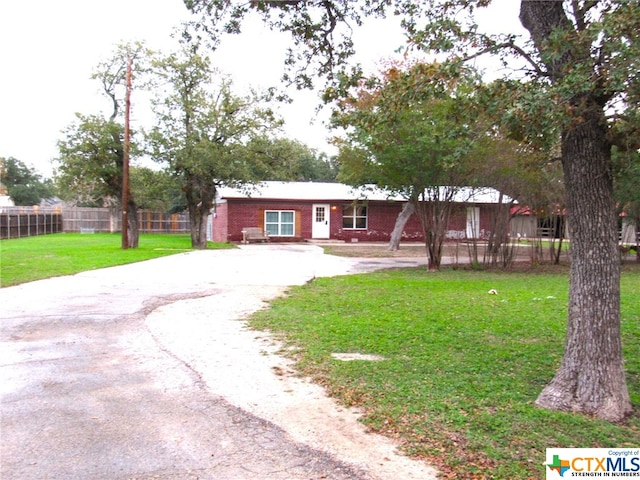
[(92, 389)]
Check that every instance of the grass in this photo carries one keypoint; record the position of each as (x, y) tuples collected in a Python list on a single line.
[(34, 258), (462, 368)]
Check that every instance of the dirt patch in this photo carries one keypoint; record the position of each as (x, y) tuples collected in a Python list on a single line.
[(347, 357), (456, 251), (377, 250)]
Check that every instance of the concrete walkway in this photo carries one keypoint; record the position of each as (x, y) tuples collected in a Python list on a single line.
[(147, 371)]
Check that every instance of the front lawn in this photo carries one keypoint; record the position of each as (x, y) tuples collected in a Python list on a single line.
[(461, 367), (34, 258)]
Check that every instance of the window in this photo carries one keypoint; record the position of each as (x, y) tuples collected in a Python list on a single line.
[(354, 217), (279, 223)]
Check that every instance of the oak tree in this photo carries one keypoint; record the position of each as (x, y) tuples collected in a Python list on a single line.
[(202, 132), (23, 184), (92, 154), (416, 131), (89, 163), (285, 159)]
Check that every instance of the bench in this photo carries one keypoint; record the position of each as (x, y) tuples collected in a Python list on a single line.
[(254, 234), (84, 230)]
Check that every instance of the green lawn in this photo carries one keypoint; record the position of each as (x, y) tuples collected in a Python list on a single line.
[(33, 258), (461, 368)]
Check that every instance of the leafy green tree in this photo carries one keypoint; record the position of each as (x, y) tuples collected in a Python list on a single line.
[(319, 167), (202, 133), (530, 175), (416, 142), (89, 172), (24, 185), (89, 165), (91, 156), (156, 190), (289, 160), (587, 54), (580, 64)]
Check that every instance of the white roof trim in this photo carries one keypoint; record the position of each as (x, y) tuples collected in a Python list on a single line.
[(322, 191)]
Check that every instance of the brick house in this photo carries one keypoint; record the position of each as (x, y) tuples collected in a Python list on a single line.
[(299, 211)]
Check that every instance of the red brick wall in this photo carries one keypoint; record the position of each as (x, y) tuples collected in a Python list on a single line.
[(380, 222), (220, 223), (250, 213), (233, 216), (457, 228)]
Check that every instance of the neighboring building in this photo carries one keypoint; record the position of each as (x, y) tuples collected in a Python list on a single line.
[(528, 224), (5, 199), (629, 232), (298, 211)]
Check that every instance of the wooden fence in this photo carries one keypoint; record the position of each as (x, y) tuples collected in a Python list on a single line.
[(16, 225), (16, 222)]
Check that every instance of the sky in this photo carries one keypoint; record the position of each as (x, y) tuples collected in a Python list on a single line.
[(49, 49)]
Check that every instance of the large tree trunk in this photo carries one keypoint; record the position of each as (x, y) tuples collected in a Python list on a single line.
[(401, 221), (133, 235), (199, 202), (591, 378), (198, 223)]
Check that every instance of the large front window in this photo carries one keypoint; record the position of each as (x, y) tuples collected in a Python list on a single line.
[(354, 217), (279, 223)]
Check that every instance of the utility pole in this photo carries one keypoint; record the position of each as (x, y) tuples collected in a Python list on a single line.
[(125, 160)]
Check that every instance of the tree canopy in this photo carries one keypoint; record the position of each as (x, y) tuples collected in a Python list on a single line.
[(202, 132), (89, 170), (283, 159), (415, 141), (24, 185)]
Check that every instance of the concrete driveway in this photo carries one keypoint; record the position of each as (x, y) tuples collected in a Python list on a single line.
[(147, 371)]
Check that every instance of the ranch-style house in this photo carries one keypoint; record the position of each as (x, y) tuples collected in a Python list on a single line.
[(300, 211)]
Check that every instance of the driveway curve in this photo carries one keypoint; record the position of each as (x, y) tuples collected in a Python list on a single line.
[(147, 371)]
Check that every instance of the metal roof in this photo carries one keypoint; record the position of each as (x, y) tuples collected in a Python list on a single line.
[(323, 191)]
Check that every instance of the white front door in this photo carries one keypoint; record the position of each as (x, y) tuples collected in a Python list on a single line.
[(320, 228)]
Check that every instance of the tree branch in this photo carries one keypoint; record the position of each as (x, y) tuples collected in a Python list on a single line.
[(519, 50), (578, 14), (541, 19)]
